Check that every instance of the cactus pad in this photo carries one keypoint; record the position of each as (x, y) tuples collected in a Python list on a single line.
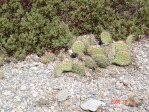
[(48, 57), (78, 68), (120, 46), (109, 52), (89, 62), (43, 59), (122, 58), (93, 50), (106, 37), (101, 60), (129, 40), (1, 60), (58, 69), (1, 74), (78, 47), (67, 64)]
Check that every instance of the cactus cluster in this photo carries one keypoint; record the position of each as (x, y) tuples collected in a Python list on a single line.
[(92, 56), (68, 65)]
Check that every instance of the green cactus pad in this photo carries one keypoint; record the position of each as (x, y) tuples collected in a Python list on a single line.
[(78, 47), (101, 60), (89, 62), (109, 52), (78, 68), (1, 74), (44, 59), (92, 40), (58, 69), (120, 46), (106, 37), (93, 50), (1, 60), (122, 58), (67, 64), (48, 57), (129, 40)]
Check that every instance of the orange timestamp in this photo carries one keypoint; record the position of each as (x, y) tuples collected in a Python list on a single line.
[(114, 101)]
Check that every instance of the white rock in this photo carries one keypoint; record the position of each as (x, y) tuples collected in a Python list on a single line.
[(34, 93), (63, 95), (6, 93), (92, 104), (23, 88)]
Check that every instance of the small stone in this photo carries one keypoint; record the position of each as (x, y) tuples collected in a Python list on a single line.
[(63, 95), (34, 93), (146, 45), (2, 110), (6, 93), (92, 104), (23, 88)]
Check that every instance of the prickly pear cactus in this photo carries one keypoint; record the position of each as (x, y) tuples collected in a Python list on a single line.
[(1, 74), (129, 40), (122, 58), (1, 60), (106, 37), (120, 46), (78, 68), (44, 59), (58, 69), (93, 50), (89, 62), (109, 52), (48, 57), (101, 60), (92, 40), (78, 47), (2, 57), (67, 64)]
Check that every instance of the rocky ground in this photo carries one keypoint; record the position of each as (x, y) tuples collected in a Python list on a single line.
[(30, 86)]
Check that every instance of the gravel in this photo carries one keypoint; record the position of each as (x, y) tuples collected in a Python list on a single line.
[(30, 86)]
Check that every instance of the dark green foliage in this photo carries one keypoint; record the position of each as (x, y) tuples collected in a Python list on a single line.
[(120, 17), (45, 24), (33, 30)]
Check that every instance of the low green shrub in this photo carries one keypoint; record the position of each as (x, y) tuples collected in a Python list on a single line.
[(120, 17), (33, 30)]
